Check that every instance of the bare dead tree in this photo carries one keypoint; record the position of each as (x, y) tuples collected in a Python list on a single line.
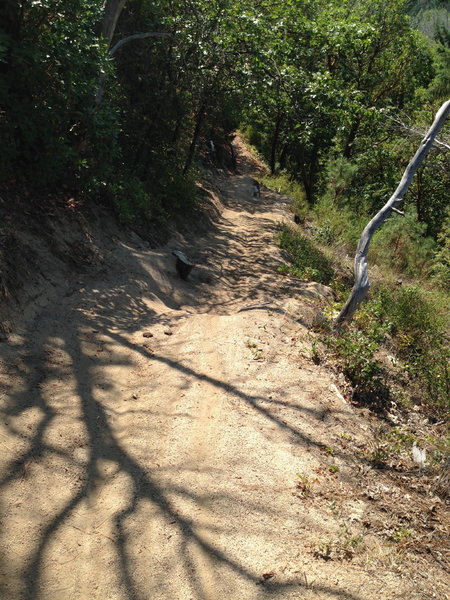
[(112, 11), (402, 125), (113, 50), (137, 36), (362, 285)]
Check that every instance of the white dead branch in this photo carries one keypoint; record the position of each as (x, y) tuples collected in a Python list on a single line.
[(117, 45), (362, 285)]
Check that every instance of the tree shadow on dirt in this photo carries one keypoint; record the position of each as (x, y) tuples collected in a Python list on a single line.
[(74, 351), (244, 267), (34, 372)]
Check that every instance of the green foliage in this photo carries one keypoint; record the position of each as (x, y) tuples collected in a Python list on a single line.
[(316, 86), (354, 191), (337, 70), (440, 86), (47, 86), (378, 167), (304, 484), (401, 244), (310, 80), (138, 202), (390, 443), (337, 222), (283, 184), (160, 96), (402, 535), (339, 174), (420, 325), (253, 135), (415, 322), (355, 351), (337, 226), (307, 261), (131, 201), (441, 266)]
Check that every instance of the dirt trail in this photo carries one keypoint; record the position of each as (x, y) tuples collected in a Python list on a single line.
[(153, 431)]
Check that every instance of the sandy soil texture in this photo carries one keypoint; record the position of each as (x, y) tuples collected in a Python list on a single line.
[(165, 439)]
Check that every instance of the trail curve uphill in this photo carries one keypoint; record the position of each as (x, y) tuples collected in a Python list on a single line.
[(153, 428)]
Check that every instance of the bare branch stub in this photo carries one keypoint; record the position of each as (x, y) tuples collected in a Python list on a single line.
[(113, 50), (137, 36)]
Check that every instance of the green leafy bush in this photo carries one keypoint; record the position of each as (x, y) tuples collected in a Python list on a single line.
[(337, 225), (131, 201), (48, 80), (415, 321), (307, 261), (253, 135), (441, 265), (355, 351), (420, 326), (138, 201), (283, 184), (401, 243)]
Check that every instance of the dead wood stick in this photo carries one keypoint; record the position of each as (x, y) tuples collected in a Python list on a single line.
[(362, 285)]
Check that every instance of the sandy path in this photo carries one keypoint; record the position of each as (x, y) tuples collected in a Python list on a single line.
[(165, 467)]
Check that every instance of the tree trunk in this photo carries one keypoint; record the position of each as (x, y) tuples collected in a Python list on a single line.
[(11, 15), (362, 285), (274, 145), (176, 132), (198, 125), (306, 181), (348, 150), (119, 44), (283, 156), (307, 166), (419, 197), (113, 9)]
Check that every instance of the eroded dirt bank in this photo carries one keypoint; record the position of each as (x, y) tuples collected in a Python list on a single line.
[(171, 440)]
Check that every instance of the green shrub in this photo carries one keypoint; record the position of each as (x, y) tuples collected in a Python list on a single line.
[(138, 201), (253, 135), (355, 351), (420, 326), (337, 226), (130, 200), (49, 75), (338, 176), (307, 261), (283, 184), (441, 263), (401, 244), (416, 321)]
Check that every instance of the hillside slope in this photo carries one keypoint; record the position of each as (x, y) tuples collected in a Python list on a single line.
[(172, 440)]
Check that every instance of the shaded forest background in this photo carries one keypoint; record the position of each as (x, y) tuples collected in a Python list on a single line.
[(335, 95), (332, 93)]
